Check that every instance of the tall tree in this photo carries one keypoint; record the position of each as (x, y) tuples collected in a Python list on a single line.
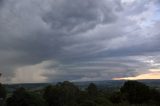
[(135, 92), (92, 90), (2, 92)]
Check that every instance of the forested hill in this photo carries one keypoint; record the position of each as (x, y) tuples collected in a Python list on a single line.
[(130, 93)]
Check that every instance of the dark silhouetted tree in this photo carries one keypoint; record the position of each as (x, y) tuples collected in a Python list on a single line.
[(21, 97), (155, 96), (88, 103), (2, 92), (62, 94), (117, 97), (52, 95), (135, 92), (92, 90)]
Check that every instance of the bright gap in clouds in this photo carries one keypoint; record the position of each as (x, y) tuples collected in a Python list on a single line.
[(153, 74)]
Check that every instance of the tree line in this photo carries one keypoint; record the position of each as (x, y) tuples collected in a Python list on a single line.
[(67, 94)]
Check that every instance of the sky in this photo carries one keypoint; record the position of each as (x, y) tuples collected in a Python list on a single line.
[(79, 40)]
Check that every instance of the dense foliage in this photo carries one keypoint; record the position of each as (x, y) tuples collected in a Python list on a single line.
[(2, 92), (135, 92), (132, 93), (62, 94), (21, 97)]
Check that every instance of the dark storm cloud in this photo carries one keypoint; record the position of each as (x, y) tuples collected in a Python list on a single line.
[(77, 16), (75, 40), (1, 1)]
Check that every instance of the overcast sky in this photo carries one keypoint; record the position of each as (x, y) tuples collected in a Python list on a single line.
[(79, 40)]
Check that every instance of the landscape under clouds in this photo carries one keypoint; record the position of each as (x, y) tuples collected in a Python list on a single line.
[(79, 40)]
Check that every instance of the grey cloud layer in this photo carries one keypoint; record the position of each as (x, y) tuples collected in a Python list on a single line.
[(81, 40)]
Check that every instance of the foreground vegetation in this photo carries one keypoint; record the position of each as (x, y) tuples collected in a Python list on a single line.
[(132, 93)]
